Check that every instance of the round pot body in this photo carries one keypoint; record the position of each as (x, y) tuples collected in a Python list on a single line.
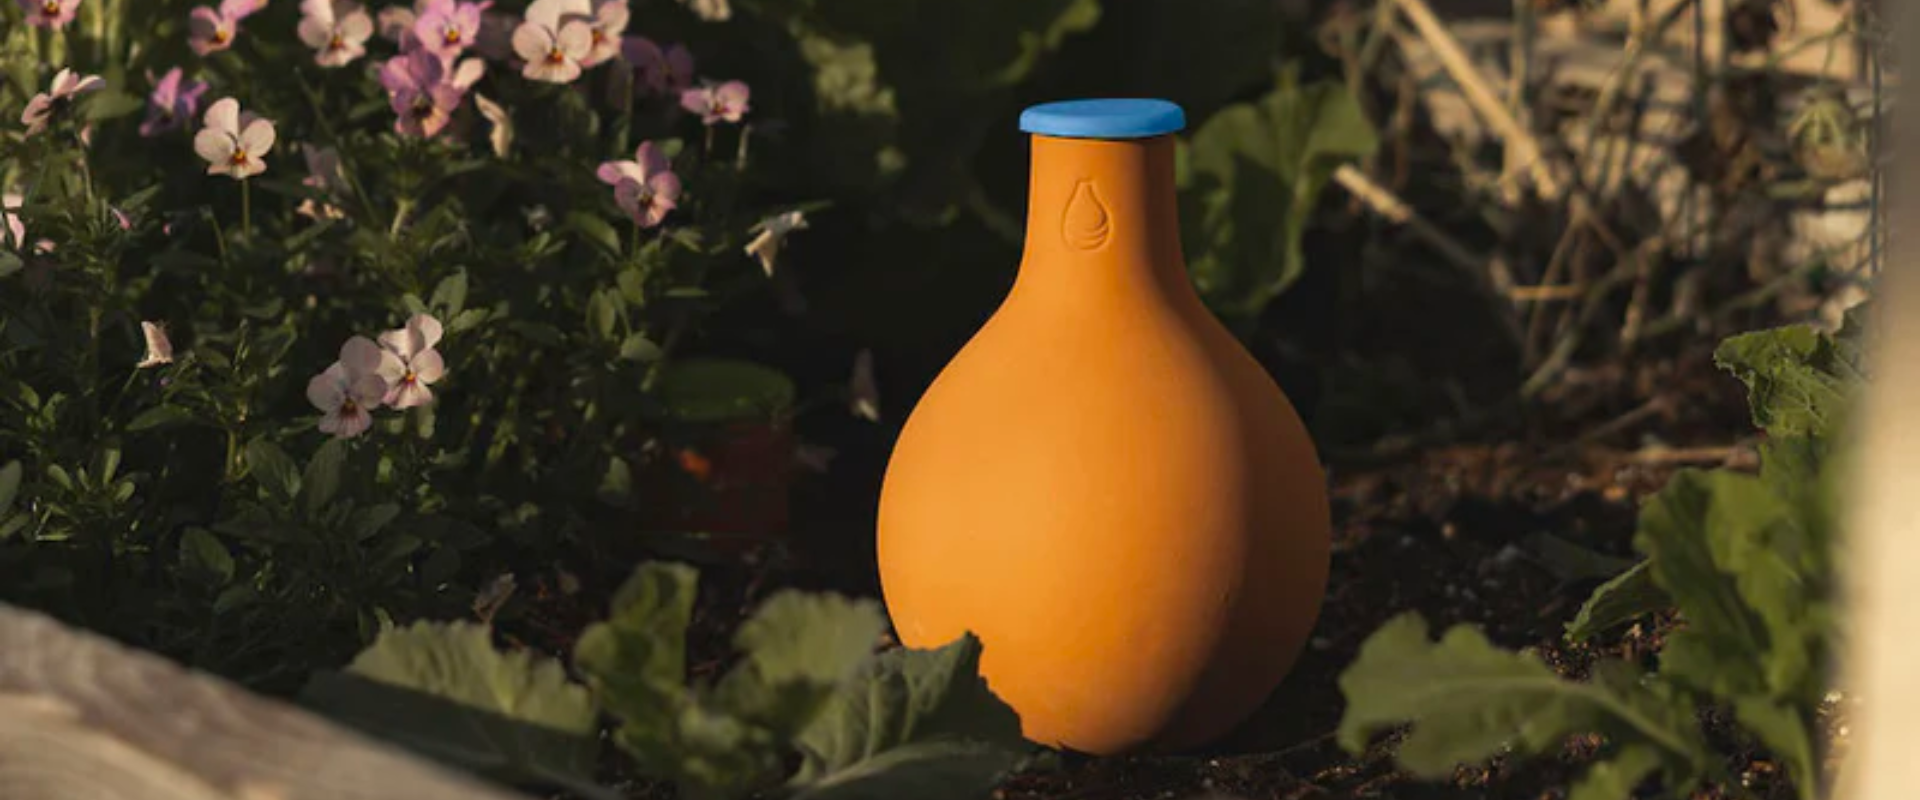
[(1103, 485)]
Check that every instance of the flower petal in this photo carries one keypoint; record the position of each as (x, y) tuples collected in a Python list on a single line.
[(224, 116), (428, 366), (574, 39), (360, 356), (258, 138), (531, 41), (427, 328), (327, 389), (213, 146)]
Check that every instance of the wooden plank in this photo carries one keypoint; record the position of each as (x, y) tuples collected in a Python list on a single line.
[(85, 717)]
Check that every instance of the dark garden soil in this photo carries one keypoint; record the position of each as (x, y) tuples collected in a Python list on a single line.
[(1509, 534)]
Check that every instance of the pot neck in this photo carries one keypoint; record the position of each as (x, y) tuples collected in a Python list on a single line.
[(1103, 212)]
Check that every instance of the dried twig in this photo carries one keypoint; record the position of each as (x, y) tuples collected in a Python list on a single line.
[(1473, 85)]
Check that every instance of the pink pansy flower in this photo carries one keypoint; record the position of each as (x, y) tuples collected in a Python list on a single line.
[(645, 187), (159, 347), (725, 102), (447, 27), (233, 144), (409, 363), (49, 13), (420, 92), (337, 30), (173, 101), (325, 176), (666, 71), (554, 39), (210, 30), (348, 391), (608, 22), (67, 85)]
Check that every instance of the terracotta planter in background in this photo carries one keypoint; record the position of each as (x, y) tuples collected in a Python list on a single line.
[(721, 470)]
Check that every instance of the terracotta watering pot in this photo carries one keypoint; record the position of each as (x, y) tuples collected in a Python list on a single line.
[(1103, 485)]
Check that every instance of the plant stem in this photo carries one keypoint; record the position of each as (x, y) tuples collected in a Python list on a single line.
[(246, 209), (740, 157)]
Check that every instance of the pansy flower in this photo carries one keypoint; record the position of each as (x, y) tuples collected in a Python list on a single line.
[(645, 187), (337, 30), (233, 144)]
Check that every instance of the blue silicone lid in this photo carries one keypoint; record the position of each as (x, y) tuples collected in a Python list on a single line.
[(1103, 119)]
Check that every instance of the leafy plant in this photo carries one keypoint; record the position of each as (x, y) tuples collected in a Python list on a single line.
[(904, 723), (1746, 559), (1252, 178)]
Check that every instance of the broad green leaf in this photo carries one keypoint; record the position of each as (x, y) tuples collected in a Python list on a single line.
[(1468, 700), (160, 418), (9, 485), (798, 649), (603, 312), (934, 770), (637, 347), (715, 390), (201, 552), (636, 661), (1628, 596), (273, 468), (368, 522), (442, 689), (595, 230), (111, 103), (1785, 733), (450, 296), (321, 481), (1696, 529), (906, 698), (1798, 379), (1251, 178), (1615, 777)]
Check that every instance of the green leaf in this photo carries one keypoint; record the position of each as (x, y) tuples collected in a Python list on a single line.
[(1616, 777), (1710, 537), (273, 468), (603, 312), (1798, 379), (110, 103), (636, 661), (1253, 175), (616, 486), (714, 390), (935, 770), (799, 649), (160, 417), (322, 479), (595, 230), (906, 698), (368, 522), (9, 486), (9, 263), (1468, 700), (442, 689), (638, 347), (202, 553), (1786, 733), (1628, 596), (467, 320), (450, 296)]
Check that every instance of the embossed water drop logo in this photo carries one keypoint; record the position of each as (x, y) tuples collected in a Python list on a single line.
[(1086, 225)]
